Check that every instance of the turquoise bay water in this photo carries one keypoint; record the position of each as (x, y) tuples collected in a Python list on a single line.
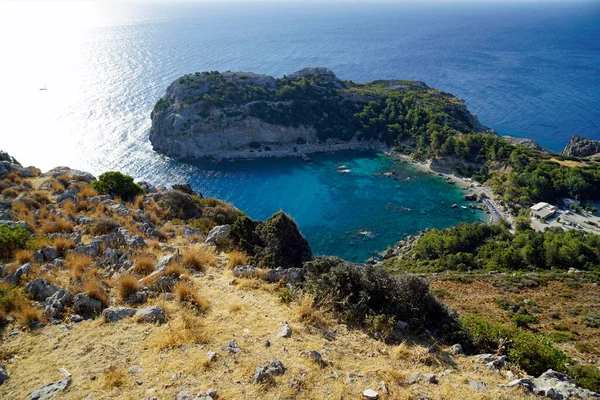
[(349, 214)]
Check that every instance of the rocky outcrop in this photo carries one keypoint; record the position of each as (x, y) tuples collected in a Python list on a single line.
[(247, 115), (554, 385), (580, 146), (525, 142)]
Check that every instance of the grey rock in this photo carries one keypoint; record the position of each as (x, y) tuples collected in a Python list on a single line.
[(245, 271), (231, 347), (423, 378), (85, 305), (136, 369), (497, 364), (285, 331), (15, 277), (113, 314), (478, 386), (580, 146), (167, 260), (211, 355), (525, 142), (153, 314), (50, 253), (457, 349), (148, 187), (219, 236), (286, 275), (188, 231), (48, 391), (370, 394), (69, 194), (266, 371), (3, 375), (92, 250), (38, 256), (40, 289), (114, 239), (316, 357), (76, 318)]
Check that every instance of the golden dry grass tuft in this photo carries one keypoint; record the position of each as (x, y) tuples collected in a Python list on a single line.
[(126, 286), (236, 258), (27, 314), (87, 192), (56, 186), (185, 328), (70, 209), (187, 293), (62, 244), (199, 257), (92, 285), (78, 264), (24, 256), (114, 377), (307, 312), (144, 264)]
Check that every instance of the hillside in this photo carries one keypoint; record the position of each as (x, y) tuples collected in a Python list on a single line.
[(139, 293)]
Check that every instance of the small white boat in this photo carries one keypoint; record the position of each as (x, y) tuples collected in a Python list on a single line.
[(344, 171)]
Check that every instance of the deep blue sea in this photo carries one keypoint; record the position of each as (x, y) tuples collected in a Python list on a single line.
[(528, 69)]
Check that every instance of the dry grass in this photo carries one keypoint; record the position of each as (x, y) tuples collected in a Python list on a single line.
[(144, 264), (175, 269), (199, 257), (70, 209), (102, 226), (87, 192), (307, 312), (56, 186), (10, 192), (94, 288), (401, 351), (24, 256), (78, 264), (126, 286), (62, 244), (236, 258), (27, 314), (184, 329), (115, 377), (56, 225), (15, 177), (188, 294), (41, 198), (570, 163)]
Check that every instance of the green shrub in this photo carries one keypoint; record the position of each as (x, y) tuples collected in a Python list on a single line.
[(587, 376), (560, 337), (12, 239), (523, 320), (533, 353), (592, 320), (117, 184), (369, 296)]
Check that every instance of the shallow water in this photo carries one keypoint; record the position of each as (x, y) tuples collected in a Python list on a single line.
[(353, 214)]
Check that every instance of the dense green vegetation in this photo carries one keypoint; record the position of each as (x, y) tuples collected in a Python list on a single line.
[(12, 239), (117, 184), (369, 296), (493, 247)]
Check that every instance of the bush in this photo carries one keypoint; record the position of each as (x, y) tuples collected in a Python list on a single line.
[(523, 321), (587, 376), (370, 296), (102, 226), (117, 184), (533, 353), (176, 204), (12, 239)]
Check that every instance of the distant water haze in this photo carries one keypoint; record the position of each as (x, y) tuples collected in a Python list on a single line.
[(527, 69)]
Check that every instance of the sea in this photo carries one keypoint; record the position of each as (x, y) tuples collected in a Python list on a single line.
[(79, 80)]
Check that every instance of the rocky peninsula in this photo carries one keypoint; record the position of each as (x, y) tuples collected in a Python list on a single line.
[(248, 115)]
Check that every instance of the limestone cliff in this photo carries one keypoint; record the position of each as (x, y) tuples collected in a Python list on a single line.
[(243, 114), (580, 146)]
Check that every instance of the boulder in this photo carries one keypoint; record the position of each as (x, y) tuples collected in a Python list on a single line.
[(316, 357), (285, 331), (40, 289), (219, 236), (3, 375), (15, 277), (113, 314), (580, 146), (48, 391), (423, 378), (370, 394), (85, 305), (152, 314), (457, 349), (56, 303), (287, 275), (266, 371), (50, 253), (245, 271), (478, 386), (231, 347)]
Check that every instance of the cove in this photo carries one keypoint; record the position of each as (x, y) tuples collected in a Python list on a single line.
[(344, 203)]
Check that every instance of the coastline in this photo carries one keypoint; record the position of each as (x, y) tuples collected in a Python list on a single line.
[(289, 150)]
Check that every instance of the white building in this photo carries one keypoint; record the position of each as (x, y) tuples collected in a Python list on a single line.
[(543, 211)]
